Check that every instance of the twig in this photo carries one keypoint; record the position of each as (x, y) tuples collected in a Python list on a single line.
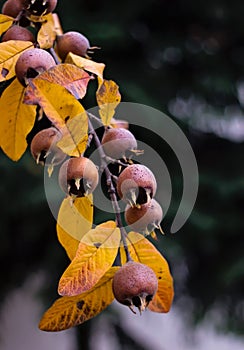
[(54, 55), (111, 189)]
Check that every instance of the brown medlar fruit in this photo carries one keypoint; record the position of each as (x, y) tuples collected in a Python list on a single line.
[(145, 218), (74, 42), (135, 284), (31, 63), (136, 185), (78, 176), (18, 33), (44, 149), (13, 7), (40, 7), (118, 142)]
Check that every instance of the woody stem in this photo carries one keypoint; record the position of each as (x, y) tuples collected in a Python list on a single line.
[(111, 189)]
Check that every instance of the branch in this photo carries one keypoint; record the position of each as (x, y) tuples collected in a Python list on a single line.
[(111, 189)]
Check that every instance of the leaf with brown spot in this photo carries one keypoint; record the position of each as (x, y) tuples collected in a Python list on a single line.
[(143, 251), (57, 102), (108, 98), (73, 222), (9, 54), (73, 78), (17, 120), (95, 255), (71, 311), (5, 23)]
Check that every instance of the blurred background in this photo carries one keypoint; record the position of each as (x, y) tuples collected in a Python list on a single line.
[(185, 58)]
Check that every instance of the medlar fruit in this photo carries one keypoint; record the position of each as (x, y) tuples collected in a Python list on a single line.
[(117, 142), (78, 176), (74, 42), (145, 218), (13, 7), (135, 284), (39, 7), (18, 33), (136, 184), (31, 63), (44, 149)]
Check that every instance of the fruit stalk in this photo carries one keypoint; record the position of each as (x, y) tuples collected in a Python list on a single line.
[(111, 189)]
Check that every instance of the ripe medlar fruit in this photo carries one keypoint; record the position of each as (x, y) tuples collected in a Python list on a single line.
[(135, 284), (39, 7), (18, 33), (145, 218), (78, 176), (13, 7), (31, 63), (136, 185), (74, 42), (43, 147), (117, 142)]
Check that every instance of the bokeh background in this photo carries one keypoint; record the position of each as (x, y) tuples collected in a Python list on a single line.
[(185, 58)]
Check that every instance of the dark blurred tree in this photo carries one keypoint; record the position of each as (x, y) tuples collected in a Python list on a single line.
[(187, 60)]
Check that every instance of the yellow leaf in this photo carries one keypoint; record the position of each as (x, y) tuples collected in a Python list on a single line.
[(57, 103), (57, 24), (5, 23), (9, 53), (74, 221), (47, 33), (68, 312), (95, 255), (73, 78), (17, 120), (75, 136), (88, 65), (108, 98), (145, 252)]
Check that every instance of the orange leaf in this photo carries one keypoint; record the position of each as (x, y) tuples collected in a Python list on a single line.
[(145, 252), (108, 98), (94, 257), (73, 78), (17, 120), (57, 103), (68, 312), (9, 53), (5, 23), (47, 33), (73, 222)]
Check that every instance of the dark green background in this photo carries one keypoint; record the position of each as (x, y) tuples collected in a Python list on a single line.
[(157, 52)]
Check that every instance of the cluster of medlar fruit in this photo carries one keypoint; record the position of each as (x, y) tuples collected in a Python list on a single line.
[(34, 61), (134, 284)]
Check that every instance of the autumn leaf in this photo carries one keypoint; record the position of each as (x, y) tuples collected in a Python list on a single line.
[(74, 221), (143, 251), (57, 102), (73, 78), (5, 23), (17, 120), (68, 312), (9, 54), (57, 24), (108, 98), (88, 65), (47, 33), (75, 136), (95, 255)]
